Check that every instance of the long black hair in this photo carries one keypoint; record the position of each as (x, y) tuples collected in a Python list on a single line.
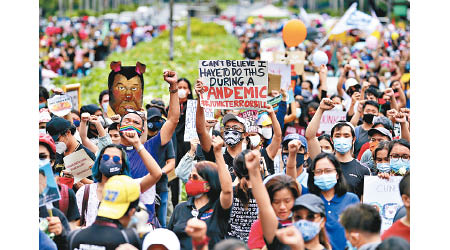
[(208, 171), (341, 186), (190, 96), (97, 175)]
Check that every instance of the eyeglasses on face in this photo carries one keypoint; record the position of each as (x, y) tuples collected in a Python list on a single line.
[(318, 172), (139, 113), (396, 157), (235, 127)]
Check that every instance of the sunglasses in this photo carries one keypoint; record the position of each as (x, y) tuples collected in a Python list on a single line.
[(139, 113), (115, 158)]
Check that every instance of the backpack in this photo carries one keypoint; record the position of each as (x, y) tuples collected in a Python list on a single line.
[(64, 201)]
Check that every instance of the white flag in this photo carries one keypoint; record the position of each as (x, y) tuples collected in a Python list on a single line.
[(355, 19)]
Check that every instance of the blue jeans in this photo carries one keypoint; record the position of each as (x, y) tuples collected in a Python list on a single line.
[(162, 211)]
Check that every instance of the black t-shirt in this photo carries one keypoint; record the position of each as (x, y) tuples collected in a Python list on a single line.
[(276, 244), (354, 173), (181, 147), (215, 217), (268, 162), (60, 240), (72, 209), (241, 219), (103, 237), (167, 153), (209, 156)]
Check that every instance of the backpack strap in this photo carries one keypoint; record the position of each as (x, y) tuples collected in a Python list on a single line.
[(84, 205), (64, 201)]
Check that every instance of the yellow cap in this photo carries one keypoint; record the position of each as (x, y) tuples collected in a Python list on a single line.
[(266, 122), (118, 193)]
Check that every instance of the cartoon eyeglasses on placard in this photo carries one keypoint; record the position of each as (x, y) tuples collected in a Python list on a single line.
[(126, 87)]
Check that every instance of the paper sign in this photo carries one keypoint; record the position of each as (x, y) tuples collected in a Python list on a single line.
[(266, 56), (60, 105), (250, 117), (384, 195), (281, 69), (79, 164), (329, 118), (274, 82), (274, 101), (297, 58), (48, 190), (280, 57), (234, 84), (190, 131)]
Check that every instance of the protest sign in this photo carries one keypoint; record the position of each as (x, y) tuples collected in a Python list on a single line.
[(74, 91), (48, 190), (274, 82), (274, 101), (250, 117), (280, 57), (79, 164), (234, 84), (329, 118), (190, 131), (60, 105), (281, 69), (384, 195), (297, 58)]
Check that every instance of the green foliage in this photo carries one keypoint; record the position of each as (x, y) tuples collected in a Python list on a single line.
[(209, 41)]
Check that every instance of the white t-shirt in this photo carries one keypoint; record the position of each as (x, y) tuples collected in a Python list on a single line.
[(147, 197)]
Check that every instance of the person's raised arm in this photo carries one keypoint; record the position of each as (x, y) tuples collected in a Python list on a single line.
[(174, 108), (292, 237), (203, 135), (269, 221), (356, 97), (342, 79), (85, 117), (144, 134), (154, 171), (355, 118), (98, 125), (365, 86), (323, 81), (282, 108), (390, 93), (226, 183), (401, 95), (291, 168), (313, 127), (401, 118), (272, 149)]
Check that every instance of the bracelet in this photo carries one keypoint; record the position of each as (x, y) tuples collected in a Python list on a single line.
[(173, 91), (140, 148), (197, 244)]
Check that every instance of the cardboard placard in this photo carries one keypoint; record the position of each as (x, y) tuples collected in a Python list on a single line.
[(48, 190), (329, 118), (274, 82), (297, 58), (79, 164), (60, 105), (190, 130), (384, 195), (74, 91), (280, 57), (281, 69), (234, 84)]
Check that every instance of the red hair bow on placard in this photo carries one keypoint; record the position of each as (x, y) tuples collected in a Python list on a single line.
[(140, 68), (115, 66)]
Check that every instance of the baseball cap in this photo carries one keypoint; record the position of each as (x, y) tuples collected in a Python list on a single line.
[(118, 193), (44, 115), (153, 112), (291, 137), (383, 121), (231, 116), (161, 236), (382, 131), (90, 108), (47, 139), (310, 201), (57, 126)]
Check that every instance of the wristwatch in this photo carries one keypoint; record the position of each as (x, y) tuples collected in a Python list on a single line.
[(173, 91)]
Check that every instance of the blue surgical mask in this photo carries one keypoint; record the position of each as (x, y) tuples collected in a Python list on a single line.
[(383, 167), (308, 229), (41, 105), (350, 246), (325, 181), (154, 126), (342, 145), (396, 165)]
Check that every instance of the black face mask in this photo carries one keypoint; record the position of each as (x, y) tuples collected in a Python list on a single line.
[(368, 118)]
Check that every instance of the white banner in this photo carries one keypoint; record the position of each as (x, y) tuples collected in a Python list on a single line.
[(190, 130), (355, 19)]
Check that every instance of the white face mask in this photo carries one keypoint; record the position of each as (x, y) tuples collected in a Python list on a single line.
[(339, 107), (42, 131), (182, 93), (105, 106), (61, 147), (255, 140), (266, 132), (298, 112)]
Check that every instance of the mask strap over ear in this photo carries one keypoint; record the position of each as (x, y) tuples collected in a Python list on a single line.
[(115, 66)]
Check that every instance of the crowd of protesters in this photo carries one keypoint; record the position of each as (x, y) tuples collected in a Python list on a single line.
[(286, 186)]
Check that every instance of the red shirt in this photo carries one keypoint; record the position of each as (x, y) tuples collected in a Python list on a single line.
[(363, 149), (397, 229), (256, 237)]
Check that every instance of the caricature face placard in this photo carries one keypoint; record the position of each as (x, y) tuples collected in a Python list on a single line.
[(126, 87)]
